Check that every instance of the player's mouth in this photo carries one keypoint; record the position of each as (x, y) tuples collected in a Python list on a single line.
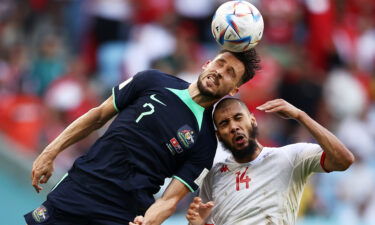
[(239, 140), (212, 80)]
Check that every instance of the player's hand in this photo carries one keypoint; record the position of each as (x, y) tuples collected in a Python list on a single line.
[(198, 211), (282, 108), (42, 170), (137, 221)]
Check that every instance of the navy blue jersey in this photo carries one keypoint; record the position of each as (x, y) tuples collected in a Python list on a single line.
[(159, 132)]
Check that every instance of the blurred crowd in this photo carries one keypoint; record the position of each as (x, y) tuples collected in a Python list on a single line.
[(59, 58)]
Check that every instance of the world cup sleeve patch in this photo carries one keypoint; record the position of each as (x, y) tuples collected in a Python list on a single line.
[(186, 136), (40, 214)]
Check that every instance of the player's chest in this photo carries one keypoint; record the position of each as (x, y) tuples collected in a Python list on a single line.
[(254, 181), (163, 117), (164, 106)]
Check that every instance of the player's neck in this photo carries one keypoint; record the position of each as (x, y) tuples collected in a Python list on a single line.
[(200, 99), (252, 156)]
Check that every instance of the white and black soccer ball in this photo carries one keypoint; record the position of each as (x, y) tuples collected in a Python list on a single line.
[(237, 26)]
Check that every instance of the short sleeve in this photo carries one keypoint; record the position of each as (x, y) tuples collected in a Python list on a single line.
[(126, 92), (193, 171), (205, 190), (306, 157)]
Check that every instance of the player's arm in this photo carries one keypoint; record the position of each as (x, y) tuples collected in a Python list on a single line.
[(338, 157), (77, 130), (165, 206)]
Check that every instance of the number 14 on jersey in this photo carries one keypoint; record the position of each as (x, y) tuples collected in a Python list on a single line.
[(242, 178)]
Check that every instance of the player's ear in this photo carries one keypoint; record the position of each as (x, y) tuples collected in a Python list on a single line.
[(254, 121), (204, 66), (234, 91)]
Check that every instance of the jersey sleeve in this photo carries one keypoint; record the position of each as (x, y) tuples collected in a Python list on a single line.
[(205, 193), (193, 171), (205, 190), (306, 157), (126, 92)]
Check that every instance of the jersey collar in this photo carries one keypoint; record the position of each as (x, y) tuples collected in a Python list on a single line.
[(193, 106), (233, 164)]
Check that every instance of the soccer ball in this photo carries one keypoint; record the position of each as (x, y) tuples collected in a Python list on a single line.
[(237, 26)]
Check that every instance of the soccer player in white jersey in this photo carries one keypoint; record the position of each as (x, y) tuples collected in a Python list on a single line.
[(258, 184)]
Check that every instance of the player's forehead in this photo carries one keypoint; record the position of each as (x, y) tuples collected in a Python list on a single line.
[(232, 61), (230, 109)]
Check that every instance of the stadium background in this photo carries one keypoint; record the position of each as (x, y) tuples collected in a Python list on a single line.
[(59, 58)]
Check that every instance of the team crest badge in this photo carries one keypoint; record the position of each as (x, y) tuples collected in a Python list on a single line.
[(40, 214), (186, 136)]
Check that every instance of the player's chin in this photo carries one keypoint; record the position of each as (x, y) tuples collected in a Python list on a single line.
[(210, 86), (241, 147), (210, 90)]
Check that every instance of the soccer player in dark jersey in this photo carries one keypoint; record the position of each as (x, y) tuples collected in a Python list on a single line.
[(163, 128)]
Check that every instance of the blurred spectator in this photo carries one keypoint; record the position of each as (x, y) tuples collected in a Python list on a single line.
[(344, 94), (281, 20), (48, 65), (365, 55), (22, 120), (149, 42), (356, 134), (320, 16), (110, 68), (13, 69), (264, 85), (197, 13), (72, 94), (111, 19), (148, 11)]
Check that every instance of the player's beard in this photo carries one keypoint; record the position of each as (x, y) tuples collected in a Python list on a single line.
[(205, 91), (248, 150)]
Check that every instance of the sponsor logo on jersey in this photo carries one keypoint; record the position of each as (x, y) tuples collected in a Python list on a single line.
[(157, 100), (186, 136), (40, 214), (176, 145), (224, 168)]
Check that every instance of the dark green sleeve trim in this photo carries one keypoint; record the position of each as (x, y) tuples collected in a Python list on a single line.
[(182, 181)]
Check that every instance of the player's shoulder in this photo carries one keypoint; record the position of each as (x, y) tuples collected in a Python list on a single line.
[(158, 77), (299, 146), (295, 152), (218, 165), (224, 164)]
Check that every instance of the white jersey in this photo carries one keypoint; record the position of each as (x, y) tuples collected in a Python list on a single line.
[(266, 190)]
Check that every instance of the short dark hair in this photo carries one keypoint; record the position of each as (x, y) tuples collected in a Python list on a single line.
[(251, 61)]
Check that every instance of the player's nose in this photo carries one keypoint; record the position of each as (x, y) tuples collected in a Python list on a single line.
[(233, 127), (219, 72)]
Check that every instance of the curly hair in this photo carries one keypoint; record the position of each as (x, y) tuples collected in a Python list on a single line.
[(251, 61)]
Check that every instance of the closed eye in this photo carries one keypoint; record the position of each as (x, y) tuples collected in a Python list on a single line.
[(220, 62), (223, 123), (231, 72), (238, 116)]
